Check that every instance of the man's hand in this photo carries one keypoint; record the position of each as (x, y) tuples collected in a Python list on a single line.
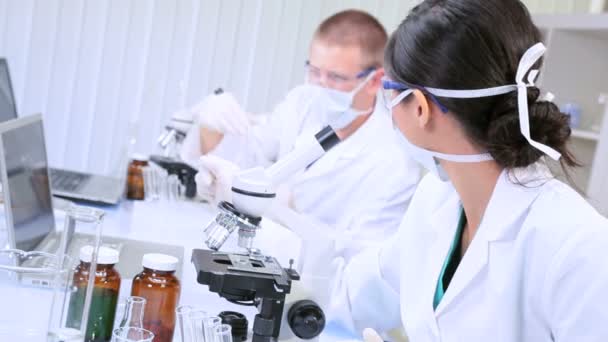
[(222, 113), (214, 179)]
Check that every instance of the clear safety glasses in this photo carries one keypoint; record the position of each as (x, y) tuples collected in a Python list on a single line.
[(394, 92), (315, 75)]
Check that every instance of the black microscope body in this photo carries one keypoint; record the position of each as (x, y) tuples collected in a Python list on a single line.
[(246, 280)]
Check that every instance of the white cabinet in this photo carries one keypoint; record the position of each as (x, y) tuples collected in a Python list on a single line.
[(576, 71), (598, 182)]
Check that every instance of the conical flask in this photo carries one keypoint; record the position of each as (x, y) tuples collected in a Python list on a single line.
[(133, 316)]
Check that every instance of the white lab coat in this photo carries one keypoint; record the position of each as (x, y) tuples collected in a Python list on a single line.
[(361, 187), (536, 270)]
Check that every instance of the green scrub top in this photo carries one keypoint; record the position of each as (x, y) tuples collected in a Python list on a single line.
[(451, 262)]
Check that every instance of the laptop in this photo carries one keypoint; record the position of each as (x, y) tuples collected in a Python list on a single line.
[(65, 183), (28, 205)]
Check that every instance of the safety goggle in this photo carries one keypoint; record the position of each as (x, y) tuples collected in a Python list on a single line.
[(315, 74), (524, 78), (394, 92)]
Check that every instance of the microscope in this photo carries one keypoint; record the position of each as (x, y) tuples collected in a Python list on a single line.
[(174, 134), (252, 278), (169, 142), (176, 130)]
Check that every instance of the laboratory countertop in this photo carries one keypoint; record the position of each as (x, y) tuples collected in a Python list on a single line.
[(182, 224)]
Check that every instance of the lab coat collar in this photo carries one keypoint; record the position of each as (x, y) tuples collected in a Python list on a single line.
[(501, 222), (513, 195), (443, 224)]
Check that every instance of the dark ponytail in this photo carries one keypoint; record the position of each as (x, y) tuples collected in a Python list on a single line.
[(547, 125), (475, 44)]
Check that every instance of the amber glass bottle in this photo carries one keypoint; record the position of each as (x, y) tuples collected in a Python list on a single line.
[(160, 287), (135, 181), (105, 294)]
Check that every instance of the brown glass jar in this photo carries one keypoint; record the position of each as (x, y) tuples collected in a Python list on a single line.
[(105, 294), (160, 287), (135, 180)]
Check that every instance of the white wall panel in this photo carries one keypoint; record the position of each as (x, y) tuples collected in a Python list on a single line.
[(64, 61), (105, 112), (86, 84), (203, 53), (265, 58), (286, 53), (243, 52), (156, 72), (17, 32), (103, 72)]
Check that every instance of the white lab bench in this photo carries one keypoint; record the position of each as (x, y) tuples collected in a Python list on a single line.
[(182, 224)]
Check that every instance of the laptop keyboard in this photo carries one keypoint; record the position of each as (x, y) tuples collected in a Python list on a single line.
[(67, 180)]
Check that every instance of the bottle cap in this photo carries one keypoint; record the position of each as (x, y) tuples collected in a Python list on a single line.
[(105, 256), (160, 262), (139, 157)]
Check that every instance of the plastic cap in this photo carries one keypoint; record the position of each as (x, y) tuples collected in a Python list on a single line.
[(105, 256), (139, 157), (160, 262), (306, 319)]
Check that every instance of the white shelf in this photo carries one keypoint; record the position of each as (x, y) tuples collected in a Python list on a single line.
[(585, 135)]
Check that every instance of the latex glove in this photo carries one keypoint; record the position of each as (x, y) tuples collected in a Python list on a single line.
[(371, 335), (214, 179), (222, 113)]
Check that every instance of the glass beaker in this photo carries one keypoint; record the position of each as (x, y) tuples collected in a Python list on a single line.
[(183, 329), (131, 334), (195, 325), (35, 287), (210, 325), (222, 333), (198, 322), (134, 312)]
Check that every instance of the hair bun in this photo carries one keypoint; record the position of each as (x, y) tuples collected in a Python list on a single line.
[(548, 126)]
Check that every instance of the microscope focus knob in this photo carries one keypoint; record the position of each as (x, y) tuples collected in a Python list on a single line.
[(306, 319)]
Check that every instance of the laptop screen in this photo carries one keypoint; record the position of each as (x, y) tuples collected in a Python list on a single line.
[(8, 109), (28, 184)]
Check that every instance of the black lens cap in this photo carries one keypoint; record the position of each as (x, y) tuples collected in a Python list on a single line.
[(238, 322), (306, 319)]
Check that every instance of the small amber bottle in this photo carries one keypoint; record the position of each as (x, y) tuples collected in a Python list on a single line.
[(160, 287), (105, 294), (135, 181)]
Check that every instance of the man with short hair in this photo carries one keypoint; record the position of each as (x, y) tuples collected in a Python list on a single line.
[(362, 187)]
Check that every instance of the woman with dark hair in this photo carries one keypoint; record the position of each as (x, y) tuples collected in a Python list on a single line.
[(493, 247)]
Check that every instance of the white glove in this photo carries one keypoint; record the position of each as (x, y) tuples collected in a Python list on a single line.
[(371, 335), (214, 179), (222, 113)]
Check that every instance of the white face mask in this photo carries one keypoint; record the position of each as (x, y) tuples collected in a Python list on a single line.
[(428, 159), (337, 105)]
